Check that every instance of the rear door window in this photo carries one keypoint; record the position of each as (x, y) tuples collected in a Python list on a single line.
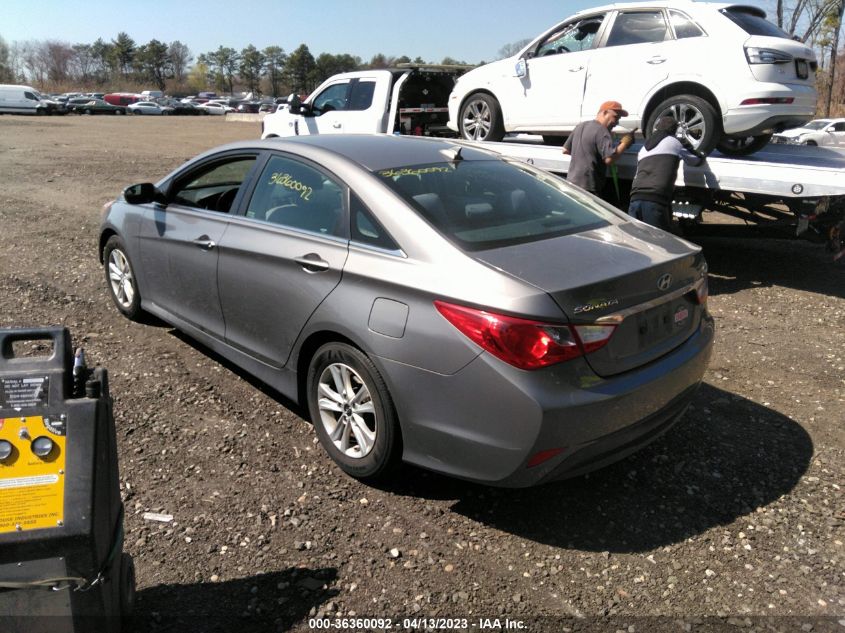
[(296, 195), (361, 95), (638, 27), (683, 26)]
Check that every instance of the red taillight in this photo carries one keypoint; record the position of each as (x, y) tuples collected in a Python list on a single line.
[(543, 456), (524, 343), (702, 292), (768, 101)]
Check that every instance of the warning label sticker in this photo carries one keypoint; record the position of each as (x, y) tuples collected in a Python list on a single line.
[(28, 508), (19, 392), (32, 486)]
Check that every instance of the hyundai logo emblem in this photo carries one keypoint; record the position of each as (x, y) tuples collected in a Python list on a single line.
[(664, 282)]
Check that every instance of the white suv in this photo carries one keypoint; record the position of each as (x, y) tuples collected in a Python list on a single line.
[(729, 76)]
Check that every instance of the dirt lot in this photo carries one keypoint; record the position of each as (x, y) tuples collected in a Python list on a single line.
[(733, 520)]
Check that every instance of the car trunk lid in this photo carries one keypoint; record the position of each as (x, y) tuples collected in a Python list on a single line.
[(631, 275)]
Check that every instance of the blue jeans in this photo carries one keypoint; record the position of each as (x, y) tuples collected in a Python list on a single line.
[(650, 212)]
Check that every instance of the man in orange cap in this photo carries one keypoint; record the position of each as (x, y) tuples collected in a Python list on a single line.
[(592, 149)]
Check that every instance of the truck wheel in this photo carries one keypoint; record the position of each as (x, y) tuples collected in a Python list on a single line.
[(742, 145), (699, 124), (352, 412), (481, 118)]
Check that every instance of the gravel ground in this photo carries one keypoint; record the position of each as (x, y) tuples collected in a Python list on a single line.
[(733, 520)]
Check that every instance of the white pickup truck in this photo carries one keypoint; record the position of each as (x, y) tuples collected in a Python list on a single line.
[(405, 100)]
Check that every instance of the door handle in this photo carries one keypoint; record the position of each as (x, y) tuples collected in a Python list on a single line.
[(657, 60), (204, 243), (336, 125), (312, 263), (576, 70)]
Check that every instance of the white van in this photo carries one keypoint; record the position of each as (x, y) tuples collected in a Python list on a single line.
[(152, 94), (23, 100)]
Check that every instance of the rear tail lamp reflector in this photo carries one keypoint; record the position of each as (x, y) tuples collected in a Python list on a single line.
[(525, 343)]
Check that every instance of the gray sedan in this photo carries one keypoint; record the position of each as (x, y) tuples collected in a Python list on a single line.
[(428, 301)]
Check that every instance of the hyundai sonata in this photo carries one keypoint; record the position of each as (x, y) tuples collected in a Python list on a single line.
[(427, 300)]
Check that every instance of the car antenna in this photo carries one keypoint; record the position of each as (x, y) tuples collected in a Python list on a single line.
[(454, 155)]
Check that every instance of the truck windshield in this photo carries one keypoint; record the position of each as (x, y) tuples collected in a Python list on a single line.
[(486, 204)]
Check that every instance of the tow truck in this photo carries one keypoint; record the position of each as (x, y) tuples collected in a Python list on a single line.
[(782, 191)]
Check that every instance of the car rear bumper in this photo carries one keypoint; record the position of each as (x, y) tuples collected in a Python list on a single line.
[(753, 120), (487, 421)]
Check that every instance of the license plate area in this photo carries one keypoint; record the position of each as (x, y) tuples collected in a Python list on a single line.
[(802, 68), (662, 322)]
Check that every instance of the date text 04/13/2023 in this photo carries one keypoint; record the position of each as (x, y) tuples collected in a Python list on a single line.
[(415, 623)]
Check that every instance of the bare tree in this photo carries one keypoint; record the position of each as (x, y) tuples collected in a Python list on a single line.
[(836, 25), (180, 57), (82, 64), (58, 56), (6, 73), (512, 49)]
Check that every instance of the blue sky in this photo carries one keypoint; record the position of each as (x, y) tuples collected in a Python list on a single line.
[(471, 31)]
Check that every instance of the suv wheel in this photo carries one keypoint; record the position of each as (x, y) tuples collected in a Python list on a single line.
[(699, 125), (481, 118), (743, 145)]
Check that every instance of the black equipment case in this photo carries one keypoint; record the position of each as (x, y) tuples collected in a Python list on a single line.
[(62, 566)]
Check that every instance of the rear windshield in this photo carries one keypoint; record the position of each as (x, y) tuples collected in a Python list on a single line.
[(480, 205), (752, 23)]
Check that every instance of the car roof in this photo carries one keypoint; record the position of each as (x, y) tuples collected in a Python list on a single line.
[(372, 151), (672, 4)]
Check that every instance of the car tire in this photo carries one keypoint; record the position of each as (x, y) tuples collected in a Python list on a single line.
[(352, 412), (88, 111), (120, 279), (481, 118), (120, 112), (742, 145), (812, 144), (137, 112), (700, 126)]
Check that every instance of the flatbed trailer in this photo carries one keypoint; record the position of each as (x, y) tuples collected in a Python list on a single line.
[(782, 191)]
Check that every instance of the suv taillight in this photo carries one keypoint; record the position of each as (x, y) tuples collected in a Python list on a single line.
[(525, 343), (756, 55)]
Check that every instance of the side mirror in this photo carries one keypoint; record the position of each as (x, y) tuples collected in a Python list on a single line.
[(521, 68), (295, 104), (143, 193)]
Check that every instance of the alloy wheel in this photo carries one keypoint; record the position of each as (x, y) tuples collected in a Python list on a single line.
[(477, 120), (120, 278), (346, 410)]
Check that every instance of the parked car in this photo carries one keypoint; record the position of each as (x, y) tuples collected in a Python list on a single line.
[(425, 299), (121, 98), (829, 132), (215, 108), (17, 99), (149, 107), (250, 107), (729, 76), (179, 107), (95, 106)]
